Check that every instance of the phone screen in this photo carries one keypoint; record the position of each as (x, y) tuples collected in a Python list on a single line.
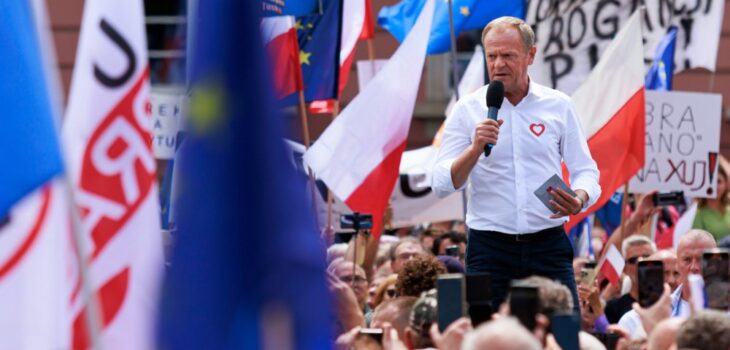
[(565, 328), (451, 298), (651, 282), (717, 279), (524, 303), (479, 298)]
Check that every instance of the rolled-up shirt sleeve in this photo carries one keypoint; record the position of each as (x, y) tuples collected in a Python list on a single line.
[(584, 173), (456, 138)]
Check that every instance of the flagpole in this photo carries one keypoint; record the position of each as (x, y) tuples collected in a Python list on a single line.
[(452, 55), (624, 202), (93, 313), (330, 198), (455, 77)]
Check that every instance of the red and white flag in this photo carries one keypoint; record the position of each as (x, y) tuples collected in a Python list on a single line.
[(610, 104), (612, 265), (280, 38), (356, 24), (107, 138), (358, 155)]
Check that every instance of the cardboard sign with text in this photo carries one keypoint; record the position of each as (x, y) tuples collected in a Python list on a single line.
[(572, 35), (682, 144)]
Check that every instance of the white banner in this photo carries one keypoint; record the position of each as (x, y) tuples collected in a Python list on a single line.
[(571, 38), (682, 144), (166, 112)]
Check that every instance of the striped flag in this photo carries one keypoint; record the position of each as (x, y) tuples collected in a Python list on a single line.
[(612, 265), (358, 155), (610, 104), (357, 24), (280, 38)]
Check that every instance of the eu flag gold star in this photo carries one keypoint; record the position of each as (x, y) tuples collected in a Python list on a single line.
[(304, 57), (298, 25), (464, 11)]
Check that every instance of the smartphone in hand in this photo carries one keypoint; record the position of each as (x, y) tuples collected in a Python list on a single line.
[(717, 279), (524, 303), (651, 282)]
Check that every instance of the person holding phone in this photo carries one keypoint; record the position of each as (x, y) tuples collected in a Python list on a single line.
[(689, 261), (512, 234)]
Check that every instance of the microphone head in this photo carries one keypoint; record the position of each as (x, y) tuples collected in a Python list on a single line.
[(495, 94)]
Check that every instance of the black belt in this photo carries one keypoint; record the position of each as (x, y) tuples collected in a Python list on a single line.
[(538, 236)]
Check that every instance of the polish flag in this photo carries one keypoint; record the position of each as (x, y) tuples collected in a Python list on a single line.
[(107, 137), (610, 104), (358, 155), (357, 23), (280, 38), (612, 265)]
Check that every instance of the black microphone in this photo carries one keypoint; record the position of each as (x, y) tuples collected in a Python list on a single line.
[(495, 97)]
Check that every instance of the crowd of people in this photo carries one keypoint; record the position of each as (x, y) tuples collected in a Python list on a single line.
[(391, 302)]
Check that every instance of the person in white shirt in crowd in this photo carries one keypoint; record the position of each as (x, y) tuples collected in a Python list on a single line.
[(634, 249), (689, 261), (512, 234)]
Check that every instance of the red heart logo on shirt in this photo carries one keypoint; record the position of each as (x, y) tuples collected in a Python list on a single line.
[(537, 129)]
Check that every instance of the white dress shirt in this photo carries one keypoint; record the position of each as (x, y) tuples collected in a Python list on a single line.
[(537, 134)]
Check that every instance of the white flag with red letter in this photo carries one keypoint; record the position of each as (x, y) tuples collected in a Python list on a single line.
[(612, 265), (358, 155), (106, 133), (610, 104)]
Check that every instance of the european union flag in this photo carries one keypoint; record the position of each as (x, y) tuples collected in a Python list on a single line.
[(468, 14), (660, 74), (247, 259), (319, 53), (29, 148), (290, 7)]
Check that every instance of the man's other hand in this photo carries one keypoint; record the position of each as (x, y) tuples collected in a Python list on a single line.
[(566, 204)]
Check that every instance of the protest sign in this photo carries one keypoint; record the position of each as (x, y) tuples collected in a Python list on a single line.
[(682, 144), (166, 108), (572, 35)]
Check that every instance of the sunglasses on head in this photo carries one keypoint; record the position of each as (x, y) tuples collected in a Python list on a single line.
[(635, 259)]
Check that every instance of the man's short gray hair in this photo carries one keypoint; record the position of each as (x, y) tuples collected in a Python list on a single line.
[(504, 333), (636, 240), (707, 330), (528, 36)]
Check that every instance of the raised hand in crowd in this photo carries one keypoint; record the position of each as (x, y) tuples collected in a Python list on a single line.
[(453, 336), (591, 308), (391, 341), (345, 303), (660, 311)]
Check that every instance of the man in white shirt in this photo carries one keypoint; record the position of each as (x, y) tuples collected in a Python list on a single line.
[(689, 261), (512, 234)]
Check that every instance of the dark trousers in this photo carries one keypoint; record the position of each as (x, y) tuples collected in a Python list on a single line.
[(505, 257)]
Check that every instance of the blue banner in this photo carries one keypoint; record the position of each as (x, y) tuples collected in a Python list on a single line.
[(246, 247), (468, 14), (290, 7), (29, 146), (660, 74), (319, 53)]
